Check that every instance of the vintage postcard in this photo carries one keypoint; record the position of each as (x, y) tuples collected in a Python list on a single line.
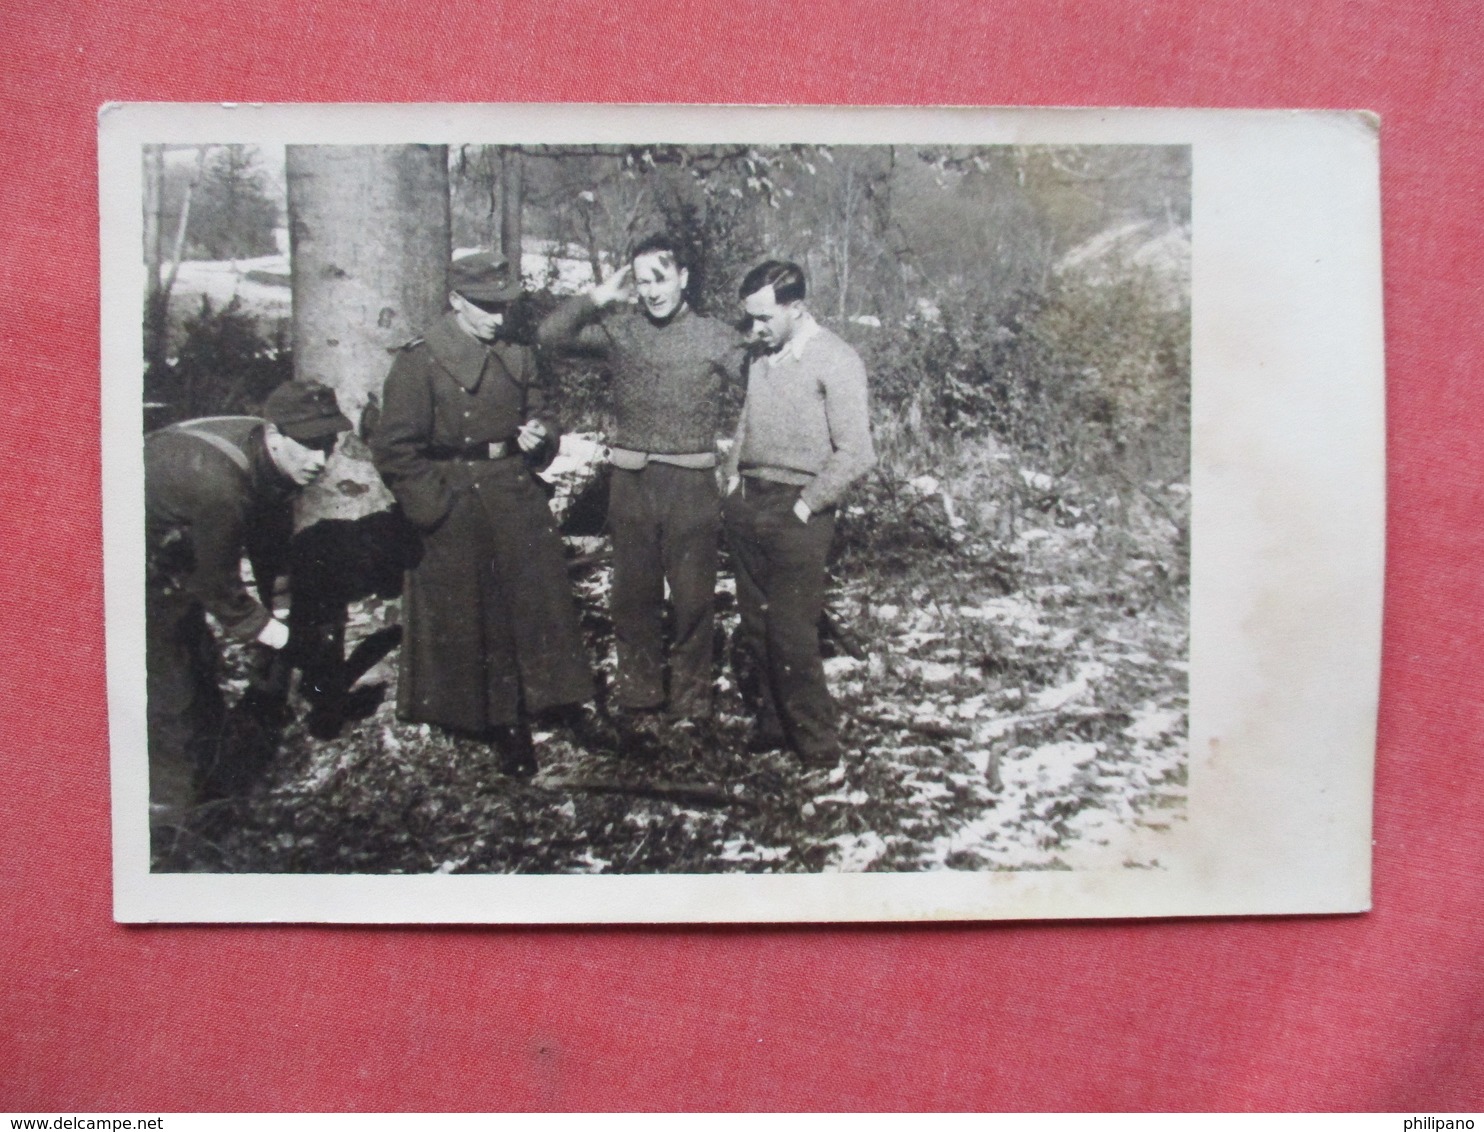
[(593, 514)]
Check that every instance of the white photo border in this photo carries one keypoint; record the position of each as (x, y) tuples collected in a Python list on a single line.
[(1288, 447)]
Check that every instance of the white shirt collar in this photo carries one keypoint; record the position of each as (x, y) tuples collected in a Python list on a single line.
[(806, 329)]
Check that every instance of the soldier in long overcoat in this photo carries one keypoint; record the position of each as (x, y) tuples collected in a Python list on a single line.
[(491, 634)]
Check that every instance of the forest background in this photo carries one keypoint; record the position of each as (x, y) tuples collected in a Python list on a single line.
[(1013, 575)]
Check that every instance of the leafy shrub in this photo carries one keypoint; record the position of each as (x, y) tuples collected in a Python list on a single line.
[(1091, 377), (884, 522), (1069, 409), (226, 365)]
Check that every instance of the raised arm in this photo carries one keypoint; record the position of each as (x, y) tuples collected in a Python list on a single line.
[(573, 328)]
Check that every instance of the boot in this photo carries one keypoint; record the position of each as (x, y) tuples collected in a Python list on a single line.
[(639, 736), (588, 726), (693, 739), (517, 752)]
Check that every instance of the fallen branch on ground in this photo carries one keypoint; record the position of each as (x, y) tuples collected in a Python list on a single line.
[(930, 728), (694, 793)]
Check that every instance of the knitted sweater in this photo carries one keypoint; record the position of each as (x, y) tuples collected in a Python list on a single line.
[(806, 419), (667, 377)]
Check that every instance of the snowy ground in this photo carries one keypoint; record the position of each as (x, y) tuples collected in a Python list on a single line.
[(262, 286), (1039, 728)]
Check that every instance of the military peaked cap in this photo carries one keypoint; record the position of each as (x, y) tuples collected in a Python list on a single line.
[(305, 411), (485, 278)]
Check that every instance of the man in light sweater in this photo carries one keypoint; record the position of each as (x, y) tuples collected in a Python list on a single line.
[(668, 365), (803, 439)]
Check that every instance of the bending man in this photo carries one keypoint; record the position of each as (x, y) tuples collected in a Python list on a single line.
[(215, 491)]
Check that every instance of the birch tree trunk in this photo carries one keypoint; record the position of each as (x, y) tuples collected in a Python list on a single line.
[(154, 255)]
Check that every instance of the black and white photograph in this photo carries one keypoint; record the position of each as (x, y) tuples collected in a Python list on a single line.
[(825, 506)]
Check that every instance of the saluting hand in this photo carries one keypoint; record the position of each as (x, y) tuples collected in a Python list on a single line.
[(618, 287)]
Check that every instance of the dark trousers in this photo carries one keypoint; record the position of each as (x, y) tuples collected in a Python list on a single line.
[(665, 522), (780, 564), (186, 712)]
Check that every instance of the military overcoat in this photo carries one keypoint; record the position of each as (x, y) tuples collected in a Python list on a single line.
[(490, 624)]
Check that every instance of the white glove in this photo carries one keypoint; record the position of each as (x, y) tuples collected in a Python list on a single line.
[(275, 634)]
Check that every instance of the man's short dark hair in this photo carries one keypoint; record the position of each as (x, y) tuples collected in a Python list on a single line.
[(662, 243), (786, 279)]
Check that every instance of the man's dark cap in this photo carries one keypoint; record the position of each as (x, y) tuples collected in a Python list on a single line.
[(305, 411), (485, 278)]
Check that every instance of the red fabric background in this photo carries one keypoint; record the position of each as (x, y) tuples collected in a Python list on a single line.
[(1383, 1011)]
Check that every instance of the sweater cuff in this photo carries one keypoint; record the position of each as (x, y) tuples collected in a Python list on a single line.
[(817, 498), (581, 310)]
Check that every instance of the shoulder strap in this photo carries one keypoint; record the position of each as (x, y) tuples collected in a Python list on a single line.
[(222, 444)]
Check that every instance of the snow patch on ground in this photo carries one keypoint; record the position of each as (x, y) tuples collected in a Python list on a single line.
[(1151, 723), (266, 295), (854, 854), (1073, 690)]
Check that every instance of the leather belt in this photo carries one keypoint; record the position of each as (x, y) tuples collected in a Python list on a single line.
[(494, 450), (760, 486), (631, 460)]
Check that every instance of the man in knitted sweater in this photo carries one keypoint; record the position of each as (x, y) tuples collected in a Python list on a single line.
[(803, 439), (668, 365)]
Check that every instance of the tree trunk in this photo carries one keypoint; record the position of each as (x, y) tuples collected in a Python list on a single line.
[(161, 310), (490, 178), (590, 237), (369, 231), (183, 223), (512, 193), (847, 221), (155, 325), (369, 234)]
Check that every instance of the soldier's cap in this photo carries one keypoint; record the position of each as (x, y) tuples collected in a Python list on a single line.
[(305, 411), (484, 277)]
